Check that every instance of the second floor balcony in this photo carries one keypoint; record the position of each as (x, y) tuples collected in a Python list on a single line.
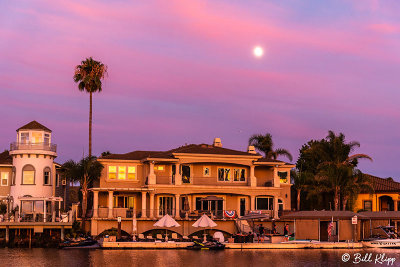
[(33, 146)]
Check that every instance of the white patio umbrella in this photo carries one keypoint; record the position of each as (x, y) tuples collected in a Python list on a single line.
[(204, 221), (166, 222)]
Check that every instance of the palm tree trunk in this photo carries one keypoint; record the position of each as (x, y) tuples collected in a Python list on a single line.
[(298, 199), (84, 201), (344, 203), (90, 126), (337, 196)]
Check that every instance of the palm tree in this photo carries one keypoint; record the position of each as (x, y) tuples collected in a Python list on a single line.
[(357, 183), (337, 164), (264, 144), (88, 75), (86, 171), (301, 182)]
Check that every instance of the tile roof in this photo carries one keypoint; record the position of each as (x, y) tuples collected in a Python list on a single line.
[(187, 149), (5, 158), (384, 184), (320, 214), (381, 214), (34, 125)]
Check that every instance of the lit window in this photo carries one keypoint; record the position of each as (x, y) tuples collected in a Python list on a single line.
[(4, 178), (206, 172), (122, 173), (37, 137), (224, 174), (132, 173), (47, 176), (112, 172), (159, 168), (283, 177), (239, 175)]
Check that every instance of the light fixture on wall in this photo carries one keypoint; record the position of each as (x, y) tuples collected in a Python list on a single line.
[(285, 195)]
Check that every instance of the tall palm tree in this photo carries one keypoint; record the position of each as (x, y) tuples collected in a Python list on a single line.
[(88, 75), (301, 182), (337, 164), (264, 144), (86, 171)]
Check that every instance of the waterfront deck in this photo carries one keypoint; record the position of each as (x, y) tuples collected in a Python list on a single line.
[(183, 245)]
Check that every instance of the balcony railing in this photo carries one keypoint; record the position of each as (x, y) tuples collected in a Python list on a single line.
[(33, 146)]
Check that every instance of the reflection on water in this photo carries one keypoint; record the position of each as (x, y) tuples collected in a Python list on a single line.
[(152, 258)]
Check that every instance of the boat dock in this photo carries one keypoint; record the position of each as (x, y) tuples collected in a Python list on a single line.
[(183, 245)]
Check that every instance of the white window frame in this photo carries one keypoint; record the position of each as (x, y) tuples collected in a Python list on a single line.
[(4, 176), (116, 173), (204, 171), (127, 173), (230, 172), (233, 176)]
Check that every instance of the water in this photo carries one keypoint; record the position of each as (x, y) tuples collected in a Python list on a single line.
[(152, 258)]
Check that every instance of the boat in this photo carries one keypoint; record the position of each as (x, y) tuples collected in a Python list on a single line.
[(391, 240), (87, 243), (211, 245)]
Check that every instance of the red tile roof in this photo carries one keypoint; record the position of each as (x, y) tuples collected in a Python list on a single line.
[(5, 158), (384, 184), (34, 125)]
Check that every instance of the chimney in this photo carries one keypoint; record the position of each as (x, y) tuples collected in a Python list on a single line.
[(251, 150), (217, 142)]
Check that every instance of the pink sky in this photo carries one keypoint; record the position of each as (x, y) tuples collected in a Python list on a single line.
[(183, 72)]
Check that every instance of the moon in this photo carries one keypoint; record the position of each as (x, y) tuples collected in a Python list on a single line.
[(258, 51)]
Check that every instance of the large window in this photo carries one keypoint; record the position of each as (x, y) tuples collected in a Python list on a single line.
[(4, 178), (124, 202), (37, 137), (264, 203), (224, 174), (24, 138), (367, 205), (131, 173), (47, 176), (186, 174), (112, 172), (239, 175), (121, 172), (165, 206), (28, 175), (283, 176)]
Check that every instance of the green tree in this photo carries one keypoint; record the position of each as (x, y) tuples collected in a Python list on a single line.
[(301, 182), (358, 182), (337, 164), (86, 171), (88, 75), (265, 145)]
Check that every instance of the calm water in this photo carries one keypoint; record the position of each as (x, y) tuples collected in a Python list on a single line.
[(152, 258)]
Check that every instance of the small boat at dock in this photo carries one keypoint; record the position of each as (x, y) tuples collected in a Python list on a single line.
[(211, 245), (87, 243), (391, 239)]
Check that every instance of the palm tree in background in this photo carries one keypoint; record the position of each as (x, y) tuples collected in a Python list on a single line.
[(358, 182), (264, 144), (88, 75), (86, 171), (301, 182)]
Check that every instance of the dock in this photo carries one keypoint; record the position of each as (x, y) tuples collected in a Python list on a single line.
[(183, 245)]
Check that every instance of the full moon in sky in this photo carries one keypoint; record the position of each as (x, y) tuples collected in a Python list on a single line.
[(258, 51)]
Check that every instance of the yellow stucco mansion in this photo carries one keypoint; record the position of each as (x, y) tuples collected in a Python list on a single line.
[(385, 196), (185, 182)]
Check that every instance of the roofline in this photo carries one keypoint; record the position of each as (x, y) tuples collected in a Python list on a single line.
[(6, 165), (159, 159), (121, 160), (218, 155)]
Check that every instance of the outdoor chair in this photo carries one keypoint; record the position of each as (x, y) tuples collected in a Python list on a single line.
[(185, 239), (174, 237), (149, 238), (195, 238), (141, 237), (159, 237)]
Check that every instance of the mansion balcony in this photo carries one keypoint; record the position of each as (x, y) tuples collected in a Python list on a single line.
[(15, 146)]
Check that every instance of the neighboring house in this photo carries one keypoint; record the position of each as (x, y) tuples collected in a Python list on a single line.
[(186, 182), (28, 173), (385, 196)]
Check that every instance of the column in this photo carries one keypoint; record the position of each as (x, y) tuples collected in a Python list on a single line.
[(178, 175), (238, 206), (53, 211), (152, 175), (177, 197), (277, 180), (62, 233), (252, 203), (252, 178), (144, 204), (110, 204), (95, 204), (395, 205), (151, 208), (276, 208), (44, 211)]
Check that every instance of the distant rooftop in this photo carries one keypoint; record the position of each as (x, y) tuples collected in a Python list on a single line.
[(5, 158), (34, 125)]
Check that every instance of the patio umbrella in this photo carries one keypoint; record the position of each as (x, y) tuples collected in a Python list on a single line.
[(166, 222), (204, 221), (253, 216)]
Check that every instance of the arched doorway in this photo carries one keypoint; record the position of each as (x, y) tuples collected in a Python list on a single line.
[(386, 203)]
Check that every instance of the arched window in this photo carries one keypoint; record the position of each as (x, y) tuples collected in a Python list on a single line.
[(28, 174), (47, 176)]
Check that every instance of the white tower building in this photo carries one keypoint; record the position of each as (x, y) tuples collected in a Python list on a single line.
[(34, 173)]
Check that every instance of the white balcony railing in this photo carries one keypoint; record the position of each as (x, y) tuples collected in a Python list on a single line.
[(33, 146)]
